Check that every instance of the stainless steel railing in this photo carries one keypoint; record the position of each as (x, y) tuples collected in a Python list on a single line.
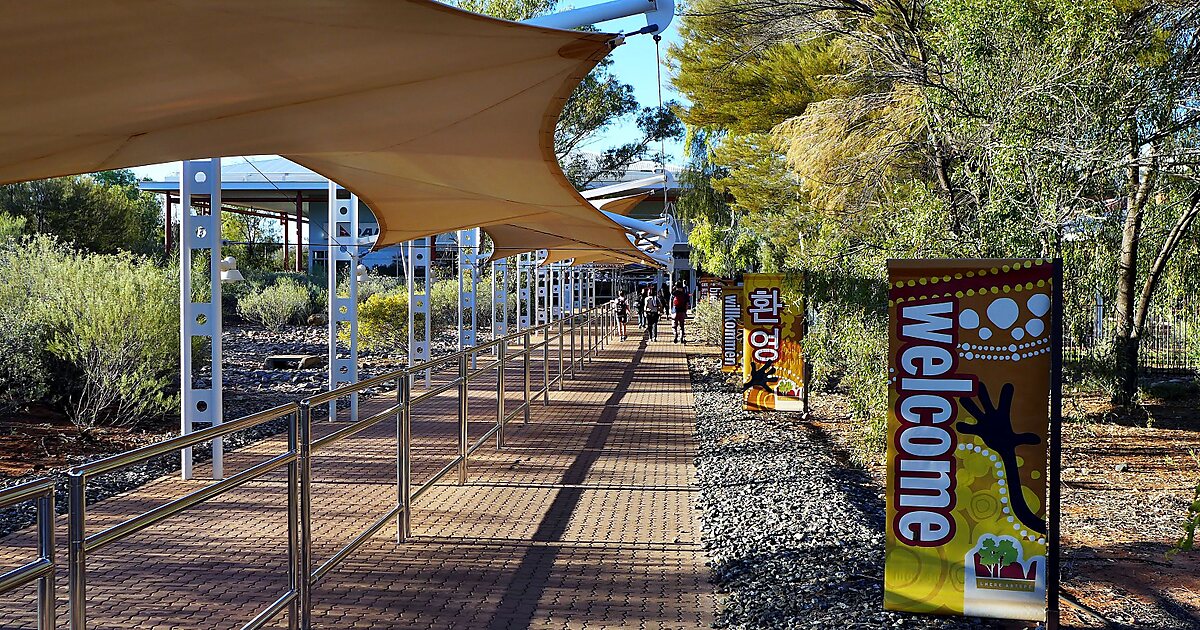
[(40, 570), (592, 325), (81, 543)]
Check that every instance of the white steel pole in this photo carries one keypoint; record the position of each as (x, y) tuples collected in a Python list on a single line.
[(200, 238), (341, 240)]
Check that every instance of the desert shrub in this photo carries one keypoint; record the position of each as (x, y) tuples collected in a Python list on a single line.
[(11, 227), (1191, 523), (112, 321), (443, 305), (25, 371), (847, 349), (383, 322), (284, 302), (375, 284), (314, 285), (707, 322)]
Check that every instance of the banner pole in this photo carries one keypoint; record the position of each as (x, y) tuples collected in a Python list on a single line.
[(1053, 570)]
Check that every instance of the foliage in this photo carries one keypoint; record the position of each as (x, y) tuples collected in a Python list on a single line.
[(25, 366), (284, 302), (11, 227), (1191, 523), (375, 283), (598, 102), (252, 241), (103, 213), (112, 320), (829, 137), (233, 293), (383, 322), (708, 322)]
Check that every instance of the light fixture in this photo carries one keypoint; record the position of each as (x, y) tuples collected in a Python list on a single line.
[(361, 273), (229, 270)]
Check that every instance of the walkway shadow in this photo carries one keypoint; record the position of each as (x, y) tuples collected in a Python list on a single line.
[(537, 563)]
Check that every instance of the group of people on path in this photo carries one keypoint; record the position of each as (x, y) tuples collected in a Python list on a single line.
[(650, 305)]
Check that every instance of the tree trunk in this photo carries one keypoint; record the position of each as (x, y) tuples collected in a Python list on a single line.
[(1182, 225), (1128, 333)]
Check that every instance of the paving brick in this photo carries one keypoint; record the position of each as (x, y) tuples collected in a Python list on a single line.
[(584, 519)]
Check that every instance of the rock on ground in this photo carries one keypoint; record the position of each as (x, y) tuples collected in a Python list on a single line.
[(794, 534)]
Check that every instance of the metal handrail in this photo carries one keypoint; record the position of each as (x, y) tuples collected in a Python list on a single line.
[(42, 569), (120, 460), (582, 325), (80, 543)]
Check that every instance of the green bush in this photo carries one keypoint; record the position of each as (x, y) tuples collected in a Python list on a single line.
[(847, 349), (112, 319), (375, 284), (284, 302), (11, 227), (383, 322), (25, 372), (443, 305), (707, 322)]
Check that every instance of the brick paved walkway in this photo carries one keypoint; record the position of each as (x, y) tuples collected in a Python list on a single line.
[(584, 519)]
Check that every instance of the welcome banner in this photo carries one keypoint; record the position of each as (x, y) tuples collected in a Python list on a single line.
[(969, 384), (731, 324), (772, 362)]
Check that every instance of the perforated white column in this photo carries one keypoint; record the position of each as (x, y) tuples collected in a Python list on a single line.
[(419, 279), (545, 279), (468, 279), (341, 239), (200, 302), (499, 298), (524, 292)]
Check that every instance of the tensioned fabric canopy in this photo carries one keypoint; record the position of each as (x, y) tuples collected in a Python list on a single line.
[(561, 250), (509, 240), (439, 119)]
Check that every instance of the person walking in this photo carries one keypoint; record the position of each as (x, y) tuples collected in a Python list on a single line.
[(640, 297), (653, 308), (680, 299), (621, 310)]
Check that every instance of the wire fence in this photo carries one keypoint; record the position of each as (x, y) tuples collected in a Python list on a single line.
[(1170, 340)]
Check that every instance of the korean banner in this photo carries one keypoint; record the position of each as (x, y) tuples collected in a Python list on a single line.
[(731, 326), (969, 381), (772, 363)]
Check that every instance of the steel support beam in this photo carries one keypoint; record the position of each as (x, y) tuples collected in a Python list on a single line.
[(200, 302), (418, 276), (341, 239)]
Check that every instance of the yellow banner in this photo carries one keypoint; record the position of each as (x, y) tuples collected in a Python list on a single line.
[(969, 381), (772, 362)]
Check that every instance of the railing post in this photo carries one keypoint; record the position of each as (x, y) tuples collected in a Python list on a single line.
[(574, 325), (76, 554), (304, 492), (45, 588), (561, 337), (295, 575), (462, 419), (404, 464), (528, 376), (546, 366), (502, 348)]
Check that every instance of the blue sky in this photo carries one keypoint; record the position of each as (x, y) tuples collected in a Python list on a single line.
[(633, 63)]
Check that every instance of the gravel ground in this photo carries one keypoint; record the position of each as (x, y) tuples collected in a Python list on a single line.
[(794, 534)]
